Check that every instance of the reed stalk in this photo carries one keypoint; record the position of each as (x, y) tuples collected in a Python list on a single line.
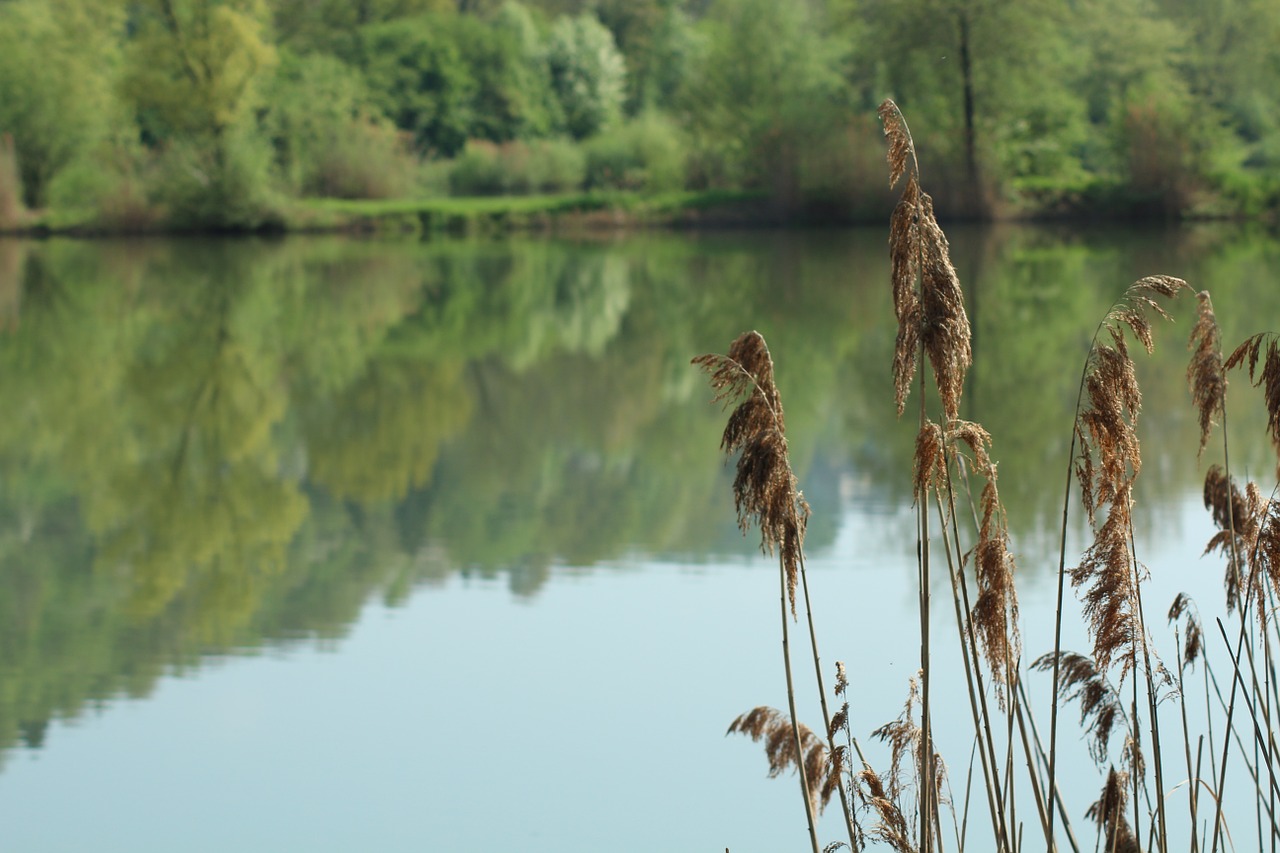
[(766, 495)]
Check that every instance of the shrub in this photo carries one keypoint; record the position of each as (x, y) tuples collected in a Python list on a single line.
[(550, 165), (478, 171), (365, 160), (645, 154), (588, 74), (214, 183), (486, 168), (1159, 159)]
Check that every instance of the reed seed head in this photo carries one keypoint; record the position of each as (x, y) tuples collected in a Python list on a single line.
[(774, 728), (995, 611), (1107, 570), (1107, 465), (927, 298), (1206, 376), (1109, 813), (765, 492), (1268, 378), (1100, 706), (900, 144), (891, 827), (1193, 641), (1248, 536)]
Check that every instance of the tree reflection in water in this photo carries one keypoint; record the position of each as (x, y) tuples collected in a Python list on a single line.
[(211, 446)]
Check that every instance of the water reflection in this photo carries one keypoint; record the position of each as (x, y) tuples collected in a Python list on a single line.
[(209, 446)]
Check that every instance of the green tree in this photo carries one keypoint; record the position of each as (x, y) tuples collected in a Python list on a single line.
[(656, 39), (330, 26), (987, 83), (1230, 61), (58, 62), (762, 86), (327, 137), (195, 67), (193, 73), (588, 74), (512, 97), (420, 80)]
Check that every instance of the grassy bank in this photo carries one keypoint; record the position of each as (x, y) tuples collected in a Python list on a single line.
[(534, 212), (478, 215)]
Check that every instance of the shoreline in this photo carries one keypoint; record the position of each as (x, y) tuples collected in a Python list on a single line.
[(614, 211)]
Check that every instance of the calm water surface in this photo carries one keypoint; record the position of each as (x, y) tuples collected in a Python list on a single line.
[(330, 545)]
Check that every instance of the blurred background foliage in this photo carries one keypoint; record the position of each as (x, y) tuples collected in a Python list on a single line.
[(217, 113)]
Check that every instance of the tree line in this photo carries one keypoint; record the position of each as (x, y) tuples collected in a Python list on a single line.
[(218, 112)]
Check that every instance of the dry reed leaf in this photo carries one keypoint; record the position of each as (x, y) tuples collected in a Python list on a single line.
[(765, 491), (1100, 705), (1206, 376), (774, 728)]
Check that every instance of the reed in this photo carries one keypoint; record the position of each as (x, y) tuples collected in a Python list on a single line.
[(1121, 685)]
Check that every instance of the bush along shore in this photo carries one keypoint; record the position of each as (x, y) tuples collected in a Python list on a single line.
[(1158, 765), (590, 211)]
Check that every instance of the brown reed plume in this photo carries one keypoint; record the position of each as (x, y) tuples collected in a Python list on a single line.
[(764, 490), (1100, 705), (1240, 518), (780, 748), (1268, 378), (995, 611), (892, 827), (932, 324), (1249, 537), (1193, 643), (1206, 376), (1106, 428), (994, 614), (1109, 813), (904, 738), (1107, 458), (927, 299)]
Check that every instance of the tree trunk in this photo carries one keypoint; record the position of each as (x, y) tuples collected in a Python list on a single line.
[(966, 74)]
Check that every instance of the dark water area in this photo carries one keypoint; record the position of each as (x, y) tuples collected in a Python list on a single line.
[(325, 544)]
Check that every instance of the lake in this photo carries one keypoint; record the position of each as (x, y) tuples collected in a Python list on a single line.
[(324, 544)]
